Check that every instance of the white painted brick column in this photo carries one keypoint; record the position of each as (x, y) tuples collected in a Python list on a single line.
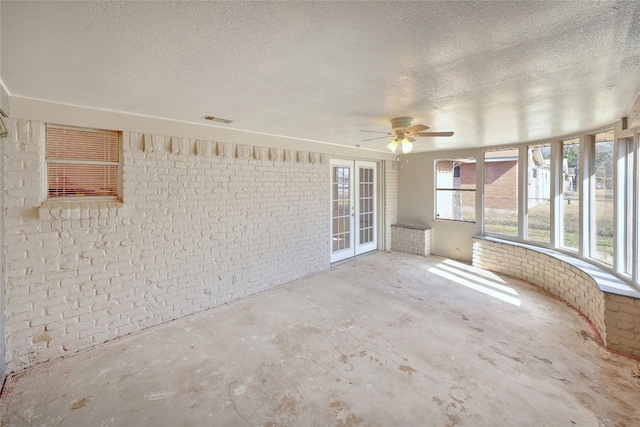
[(391, 200)]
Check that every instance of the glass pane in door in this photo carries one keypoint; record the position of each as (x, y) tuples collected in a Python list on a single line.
[(365, 219), (341, 224)]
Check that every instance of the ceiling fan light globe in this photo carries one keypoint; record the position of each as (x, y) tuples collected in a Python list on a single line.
[(407, 146), (393, 145)]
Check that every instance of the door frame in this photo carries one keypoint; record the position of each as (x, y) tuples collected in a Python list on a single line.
[(361, 248), (355, 248), (347, 252)]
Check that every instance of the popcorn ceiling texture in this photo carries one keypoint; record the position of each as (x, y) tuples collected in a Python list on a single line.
[(494, 72), (201, 224)]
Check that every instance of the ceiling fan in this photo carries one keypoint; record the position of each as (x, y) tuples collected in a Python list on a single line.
[(404, 134)]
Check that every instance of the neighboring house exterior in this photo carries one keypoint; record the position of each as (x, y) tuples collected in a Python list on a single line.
[(500, 181)]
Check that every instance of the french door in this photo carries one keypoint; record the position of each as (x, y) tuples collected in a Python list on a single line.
[(353, 208)]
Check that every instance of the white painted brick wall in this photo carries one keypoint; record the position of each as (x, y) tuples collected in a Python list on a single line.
[(391, 200), (622, 319), (411, 240), (195, 230), (615, 317), (3, 366), (554, 276)]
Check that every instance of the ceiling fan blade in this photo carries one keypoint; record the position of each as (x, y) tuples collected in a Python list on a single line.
[(411, 139), (434, 134), (416, 128), (374, 131), (380, 137)]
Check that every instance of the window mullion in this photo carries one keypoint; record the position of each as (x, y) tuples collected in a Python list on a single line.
[(522, 196), (586, 214), (557, 190), (635, 252)]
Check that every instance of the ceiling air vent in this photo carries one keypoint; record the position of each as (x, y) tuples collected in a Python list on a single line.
[(217, 119)]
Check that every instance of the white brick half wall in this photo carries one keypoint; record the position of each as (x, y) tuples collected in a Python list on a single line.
[(410, 239), (201, 224), (612, 306)]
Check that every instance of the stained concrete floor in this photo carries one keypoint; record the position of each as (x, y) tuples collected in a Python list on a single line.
[(385, 340)]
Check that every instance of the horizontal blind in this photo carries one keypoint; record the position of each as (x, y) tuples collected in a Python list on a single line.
[(80, 144), (81, 162), (81, 180)]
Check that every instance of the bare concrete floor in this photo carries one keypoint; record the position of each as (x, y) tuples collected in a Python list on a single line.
[(386, 340)]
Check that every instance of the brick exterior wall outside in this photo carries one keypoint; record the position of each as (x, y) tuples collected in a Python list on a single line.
[(411, 240), (201, 224), (501, 185), (615, 317), (468, 175), (468, 180)]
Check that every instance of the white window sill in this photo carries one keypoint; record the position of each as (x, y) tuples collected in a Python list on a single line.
[(80, 209)]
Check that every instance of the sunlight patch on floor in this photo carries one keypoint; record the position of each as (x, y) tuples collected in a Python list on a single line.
[(473, 278)]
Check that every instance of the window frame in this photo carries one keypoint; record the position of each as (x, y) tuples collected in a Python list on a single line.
[(626, 199), (626, 211), (528, 152), (561, 198), (453, 189), (82, 198), (518, 184), (595, 203)]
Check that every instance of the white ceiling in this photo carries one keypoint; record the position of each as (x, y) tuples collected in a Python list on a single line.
[(492, 72)]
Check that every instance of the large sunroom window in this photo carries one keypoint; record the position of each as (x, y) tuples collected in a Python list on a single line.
[(625, 222), (539, 193), (501, 192), (581, 195), (602, 214), (570, 203), (456, 189)]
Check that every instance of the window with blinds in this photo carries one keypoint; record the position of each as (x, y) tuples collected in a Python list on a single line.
[(81, 162)]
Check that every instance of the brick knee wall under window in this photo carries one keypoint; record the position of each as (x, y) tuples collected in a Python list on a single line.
[(622, 322), (612, 306)]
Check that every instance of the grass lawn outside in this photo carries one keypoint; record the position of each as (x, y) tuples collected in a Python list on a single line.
[(506, 223)]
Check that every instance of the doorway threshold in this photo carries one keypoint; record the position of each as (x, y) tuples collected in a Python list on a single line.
[(353, 258)]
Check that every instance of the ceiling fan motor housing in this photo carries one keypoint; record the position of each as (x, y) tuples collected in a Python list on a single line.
[(399, 124)]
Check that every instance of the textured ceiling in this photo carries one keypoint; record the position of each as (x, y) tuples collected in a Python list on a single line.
[(492, 72)]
